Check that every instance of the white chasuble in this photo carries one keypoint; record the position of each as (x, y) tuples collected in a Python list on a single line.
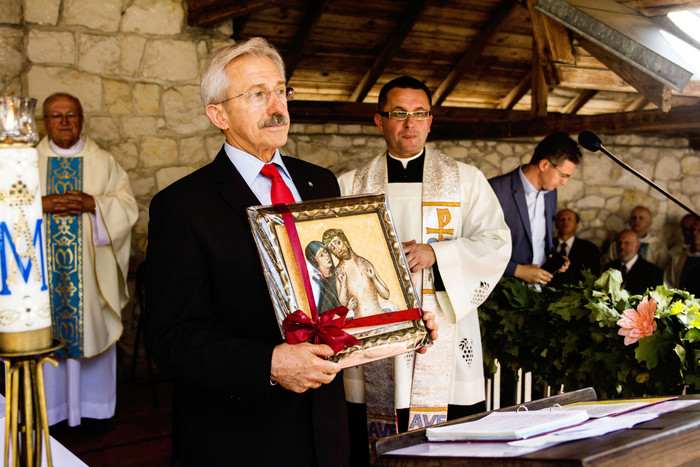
[(86, 386), (456, 212)]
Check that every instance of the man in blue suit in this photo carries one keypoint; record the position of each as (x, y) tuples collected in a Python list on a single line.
[(528, 197)]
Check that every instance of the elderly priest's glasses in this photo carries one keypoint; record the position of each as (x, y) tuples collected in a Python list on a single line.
[(403, 114), (261, 97)]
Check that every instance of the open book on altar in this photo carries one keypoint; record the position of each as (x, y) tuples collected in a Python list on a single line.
[(508, 426)]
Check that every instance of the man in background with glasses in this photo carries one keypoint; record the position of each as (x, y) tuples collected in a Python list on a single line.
[(89, 211), (457, 245), (528, 196)]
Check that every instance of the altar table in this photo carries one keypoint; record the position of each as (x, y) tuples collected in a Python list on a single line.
[(672, 439)]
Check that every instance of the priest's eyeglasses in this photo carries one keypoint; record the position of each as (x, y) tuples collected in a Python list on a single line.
[(403, 114), (60, 117), (261, 97), (564, 176)]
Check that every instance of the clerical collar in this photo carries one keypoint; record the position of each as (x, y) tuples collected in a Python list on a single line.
[(405, 170), (405, 160), (71, 151)]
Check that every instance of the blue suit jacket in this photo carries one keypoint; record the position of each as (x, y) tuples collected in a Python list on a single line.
[(511, 194)]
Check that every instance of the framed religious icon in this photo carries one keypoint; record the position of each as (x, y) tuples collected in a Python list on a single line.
[(337, 265)]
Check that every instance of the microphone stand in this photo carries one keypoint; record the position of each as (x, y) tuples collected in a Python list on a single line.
[(599, 145)]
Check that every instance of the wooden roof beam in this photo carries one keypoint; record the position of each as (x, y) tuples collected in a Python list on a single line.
[(210, 12), (239, 23), (624, 34), (474, 51), (304, 31), (517, 93), (553, 43), (661, 7), (579, 101), (404, 27), (454, 123), (656, 92), (539, 91), (645, 121), (638, 104)]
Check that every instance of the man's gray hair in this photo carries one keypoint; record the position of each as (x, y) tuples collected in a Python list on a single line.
[(215, 83), (56, 95)]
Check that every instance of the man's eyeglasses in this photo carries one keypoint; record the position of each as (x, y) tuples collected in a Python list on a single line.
[(261, 97), (564, 176), (60, 117), (403, 114)]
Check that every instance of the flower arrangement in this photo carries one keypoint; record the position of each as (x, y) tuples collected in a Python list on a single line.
[(571, 336)]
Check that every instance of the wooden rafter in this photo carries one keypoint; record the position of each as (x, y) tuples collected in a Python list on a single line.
[(306, 27), (657, 93), (209, 12), (579, 101), (474, 51), (660, 7), (651, 121), (468, 123), (239, 23), (397, 37), (539, 90), (553, 43), (515, 94), (638, 104)]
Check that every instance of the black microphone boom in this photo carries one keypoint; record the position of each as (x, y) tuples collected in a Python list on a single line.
[(592, 142)]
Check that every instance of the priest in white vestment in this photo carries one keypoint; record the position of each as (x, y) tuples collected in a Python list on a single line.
[(457, 244), (89, 211)]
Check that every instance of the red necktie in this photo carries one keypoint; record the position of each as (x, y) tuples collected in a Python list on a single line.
[(280, 193)]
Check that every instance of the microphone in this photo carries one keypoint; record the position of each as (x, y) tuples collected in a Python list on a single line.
[(589, 140), (592, 142)]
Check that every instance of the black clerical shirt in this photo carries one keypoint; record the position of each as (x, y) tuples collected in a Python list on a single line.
[(412, 173)]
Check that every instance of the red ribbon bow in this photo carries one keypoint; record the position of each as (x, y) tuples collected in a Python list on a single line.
[(326, 329)]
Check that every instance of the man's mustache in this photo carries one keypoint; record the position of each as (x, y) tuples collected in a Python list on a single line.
[(275, 119)]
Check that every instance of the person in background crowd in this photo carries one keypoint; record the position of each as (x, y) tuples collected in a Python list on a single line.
[(89, 210), (683, 271), (638, 274), (652, 247), (582, 254), (680, 251)]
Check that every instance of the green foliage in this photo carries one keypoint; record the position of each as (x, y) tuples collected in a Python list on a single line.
[(569, 336)]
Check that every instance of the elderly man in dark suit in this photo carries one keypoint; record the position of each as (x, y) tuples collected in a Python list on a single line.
[(638, 274), (242, 396), (528, 196), (582, 254)]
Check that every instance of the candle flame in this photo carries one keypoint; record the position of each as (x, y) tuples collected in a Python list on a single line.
[(9, 122)]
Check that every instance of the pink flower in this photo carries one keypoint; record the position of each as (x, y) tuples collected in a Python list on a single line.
[(640, 323)]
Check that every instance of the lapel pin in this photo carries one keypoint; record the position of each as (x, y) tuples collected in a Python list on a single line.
[(311, 184)]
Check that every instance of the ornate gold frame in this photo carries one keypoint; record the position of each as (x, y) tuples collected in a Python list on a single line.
[(368, 213)]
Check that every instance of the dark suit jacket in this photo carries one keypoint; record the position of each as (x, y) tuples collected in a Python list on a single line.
[(211, 323), (583, 255), (511, 194), (643, 275)]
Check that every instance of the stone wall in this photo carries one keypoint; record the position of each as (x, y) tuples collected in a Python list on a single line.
[(135, 66)]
